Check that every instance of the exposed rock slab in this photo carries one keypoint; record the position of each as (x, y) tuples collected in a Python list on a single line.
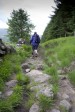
[(34, 108)]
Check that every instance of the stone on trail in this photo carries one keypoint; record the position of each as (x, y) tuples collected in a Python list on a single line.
[(42, 86), (34, 108), (11, 83), (55, 110), (8, 93), (38, 76), (65, 104)]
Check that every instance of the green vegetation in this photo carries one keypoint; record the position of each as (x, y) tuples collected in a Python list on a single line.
[(72, 77), (63, 109), (13, 101), (10, 65), (62, 23), (45, 103), (22, 79), (31, 100), (58, 54), (19, 25)]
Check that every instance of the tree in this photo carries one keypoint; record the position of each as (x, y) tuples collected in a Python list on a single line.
[(62, 23), (19, 25)]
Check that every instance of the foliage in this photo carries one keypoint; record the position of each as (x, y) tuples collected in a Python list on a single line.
[(5, 106), (55, 89), (62, 23), (58, 53), (19, 25), (14, 100), (1, 84), (45, 102), (30, 101), (72, 77), (11, 64), (22, 79)]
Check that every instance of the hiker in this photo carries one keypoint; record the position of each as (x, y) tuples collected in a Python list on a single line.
[(34, 41)]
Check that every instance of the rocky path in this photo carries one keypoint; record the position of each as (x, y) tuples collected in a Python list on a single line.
[(65, 101), (39, 82)]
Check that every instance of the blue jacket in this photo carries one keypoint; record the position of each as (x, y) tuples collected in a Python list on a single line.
[(35, 40)]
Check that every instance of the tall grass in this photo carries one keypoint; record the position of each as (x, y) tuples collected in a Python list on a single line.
[(72, 77), (59, 53), (62, 49), (12, 64), (45, 103)]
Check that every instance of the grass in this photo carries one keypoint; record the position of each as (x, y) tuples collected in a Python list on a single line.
[(12, 64), (59, 50), (58, 53), (8, 105), (45, 102), (72, 77), (22, 79), (63, 109), (31, 100)]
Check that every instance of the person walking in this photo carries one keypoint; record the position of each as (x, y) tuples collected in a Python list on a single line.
[(34, 41)]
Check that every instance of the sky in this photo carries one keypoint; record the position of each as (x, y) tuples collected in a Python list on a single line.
[(39, 12)]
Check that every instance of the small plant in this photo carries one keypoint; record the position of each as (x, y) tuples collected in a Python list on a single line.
[(63, 109), (1, 84), (5, 106), (72, 77), (22, 79), (45, 102), (55, 90), (30, 101), (54, 79), (16, 98)]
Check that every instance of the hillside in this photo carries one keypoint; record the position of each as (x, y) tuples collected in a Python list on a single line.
[(41, 84), (59, 58)]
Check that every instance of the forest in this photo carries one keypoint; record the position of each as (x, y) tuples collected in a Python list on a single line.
[(62, 23)]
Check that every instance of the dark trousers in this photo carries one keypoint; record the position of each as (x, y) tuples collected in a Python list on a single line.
[(34, 47)]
